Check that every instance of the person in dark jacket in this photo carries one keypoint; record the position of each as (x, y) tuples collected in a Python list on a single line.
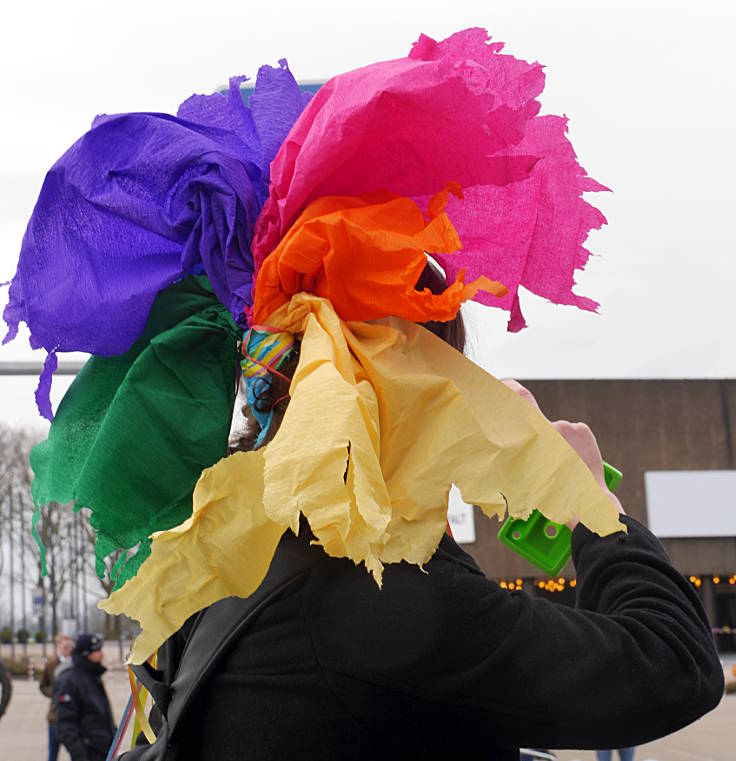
[(64, 646), (322, 611), (5, 688), (440, 663), (445, 664), (84, 721)]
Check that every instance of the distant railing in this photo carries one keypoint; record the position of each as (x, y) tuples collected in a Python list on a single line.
[(35, 368)]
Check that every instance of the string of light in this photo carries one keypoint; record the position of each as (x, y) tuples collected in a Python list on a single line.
[(551, 585), (561, 583), (512, 584), (697, 581)]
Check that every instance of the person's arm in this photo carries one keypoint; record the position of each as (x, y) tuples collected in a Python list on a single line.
[(67, 707), (634, 661), (450, 657), (655, 626)]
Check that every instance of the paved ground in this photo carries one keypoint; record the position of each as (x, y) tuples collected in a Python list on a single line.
[(23, 728), (712, 738)]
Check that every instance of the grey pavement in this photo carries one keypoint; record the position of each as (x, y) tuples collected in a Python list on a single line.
[(712, 738), (23, 728)]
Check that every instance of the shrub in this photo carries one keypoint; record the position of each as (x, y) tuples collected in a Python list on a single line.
[(16, 666), (23, 635), (38, 637), (5, 635)]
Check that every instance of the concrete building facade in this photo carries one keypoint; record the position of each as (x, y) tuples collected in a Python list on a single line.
[(642, 425)]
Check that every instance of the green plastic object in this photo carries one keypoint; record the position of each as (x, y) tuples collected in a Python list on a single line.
[(543, 542), (612, 475)]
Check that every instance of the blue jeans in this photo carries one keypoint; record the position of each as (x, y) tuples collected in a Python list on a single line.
[(625, 754), (53, 744)]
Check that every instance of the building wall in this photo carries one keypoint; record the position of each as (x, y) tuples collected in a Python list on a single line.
[(640, 425)]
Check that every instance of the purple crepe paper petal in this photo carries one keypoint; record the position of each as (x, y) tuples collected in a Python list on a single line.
[(225, 111), (136, 204), (43, 390), (141, 201), (14, 310), (276, 104)]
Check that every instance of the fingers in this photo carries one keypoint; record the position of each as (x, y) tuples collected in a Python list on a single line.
[(522, 391), (581, 439), (578, 436)]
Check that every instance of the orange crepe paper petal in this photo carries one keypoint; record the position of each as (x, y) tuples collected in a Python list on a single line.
[(438, 201), (365, 254)]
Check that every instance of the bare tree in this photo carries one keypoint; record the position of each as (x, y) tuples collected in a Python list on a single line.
[(18, 513), (58, 568), (106, 582), (14, 447), (5, 471), (63, 545)]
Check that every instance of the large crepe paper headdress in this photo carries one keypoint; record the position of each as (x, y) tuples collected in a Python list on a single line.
[(157, 240)]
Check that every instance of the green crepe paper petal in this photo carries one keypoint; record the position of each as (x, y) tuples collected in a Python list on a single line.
[(134, 432)]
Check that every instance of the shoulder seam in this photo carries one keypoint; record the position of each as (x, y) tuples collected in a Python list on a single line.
[(322, 671)]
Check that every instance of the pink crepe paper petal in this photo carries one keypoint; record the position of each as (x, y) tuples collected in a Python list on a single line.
[(456, 110)]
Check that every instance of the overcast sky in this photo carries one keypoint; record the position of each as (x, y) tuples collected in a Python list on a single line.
[(648, 88)]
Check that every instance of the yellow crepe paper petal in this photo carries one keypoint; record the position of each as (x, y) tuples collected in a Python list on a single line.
[(440, 420), (324, 462), (384, 417), (224, 549), (455, 423)]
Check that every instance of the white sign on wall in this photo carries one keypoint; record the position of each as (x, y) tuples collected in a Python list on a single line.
[(37, 601), (460, 517), (691, 503), (68, 627)]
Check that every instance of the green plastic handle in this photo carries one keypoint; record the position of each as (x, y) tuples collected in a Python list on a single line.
[(543, 542)]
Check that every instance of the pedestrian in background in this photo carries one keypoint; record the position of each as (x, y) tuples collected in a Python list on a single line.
[(64, 644), (625, 754), (84, 722)]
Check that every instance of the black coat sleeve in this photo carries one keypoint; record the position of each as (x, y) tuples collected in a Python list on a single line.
[(67, 712), (451, 652), (633, 662)]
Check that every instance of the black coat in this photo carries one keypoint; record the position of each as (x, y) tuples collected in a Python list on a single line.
[(444, 664), (84, 722)]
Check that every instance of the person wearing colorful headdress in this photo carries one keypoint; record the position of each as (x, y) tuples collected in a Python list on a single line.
[(310, 257)]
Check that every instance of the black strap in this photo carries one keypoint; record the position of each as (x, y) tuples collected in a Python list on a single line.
[(153, 680), (217, 629)]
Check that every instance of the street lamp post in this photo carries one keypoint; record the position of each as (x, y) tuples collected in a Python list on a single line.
[(23, 578), (12, 575)]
